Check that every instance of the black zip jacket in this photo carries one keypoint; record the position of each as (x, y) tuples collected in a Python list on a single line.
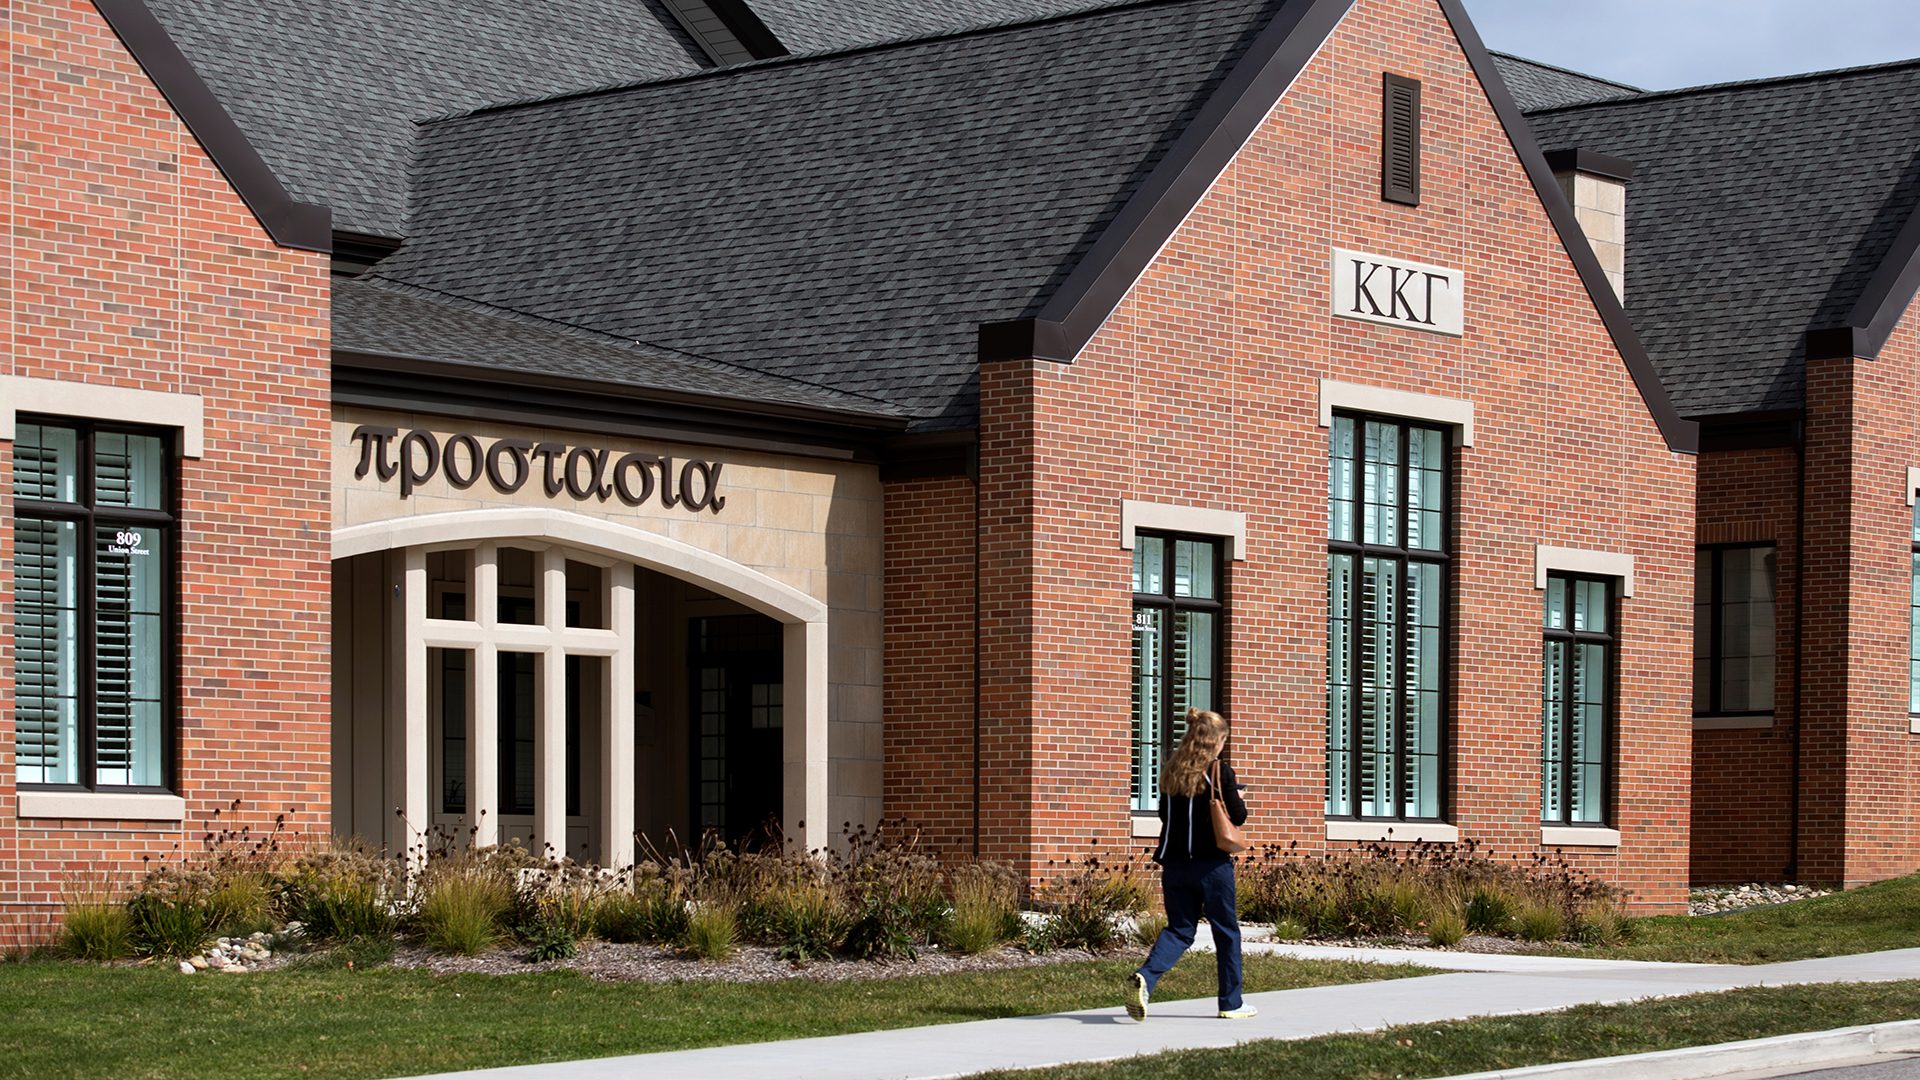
[(1186, 825)]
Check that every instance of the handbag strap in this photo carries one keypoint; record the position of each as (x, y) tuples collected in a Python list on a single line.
[(1213, 776)]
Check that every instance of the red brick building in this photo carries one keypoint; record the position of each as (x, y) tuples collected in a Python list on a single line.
[(911, 424)]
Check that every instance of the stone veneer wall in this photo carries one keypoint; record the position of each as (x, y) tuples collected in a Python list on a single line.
[(810, 523), (1201, 390), (132, 263)]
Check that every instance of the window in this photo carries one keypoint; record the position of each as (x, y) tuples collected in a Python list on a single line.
[(1387, 619), (1576, 696), (94, 566), (1177, 622), (1733, 630), (1913, 625)]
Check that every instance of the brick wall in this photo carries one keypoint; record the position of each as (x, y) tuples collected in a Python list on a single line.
[(1201, 390), (1860, 765), (132, 262), (1743, 778)]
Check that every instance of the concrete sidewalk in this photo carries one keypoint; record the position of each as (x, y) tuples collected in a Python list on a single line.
[(1542, 985)]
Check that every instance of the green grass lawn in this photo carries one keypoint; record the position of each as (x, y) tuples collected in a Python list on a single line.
[(1476, 1046), (1868, 919), (68, 1020)]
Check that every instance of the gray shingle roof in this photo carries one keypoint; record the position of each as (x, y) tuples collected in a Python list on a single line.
[(1535, 85), (820, 25), (386, 319), (1757, 211), (328, 90), (849, 219)]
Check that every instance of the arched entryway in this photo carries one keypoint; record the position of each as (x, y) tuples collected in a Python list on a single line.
[(525, 627)]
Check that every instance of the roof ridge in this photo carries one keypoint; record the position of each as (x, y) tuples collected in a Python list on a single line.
[(1590, 77), (601, 337), (1095, 8), (1763, 82)]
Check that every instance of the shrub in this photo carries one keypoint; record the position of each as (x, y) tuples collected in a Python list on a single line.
[(986, 907), (1446, 929), (1601, 923), (711, 931), (1085, 899), (344, 892), (1289, 930), (1489, 912), (1540, 922), (168, 916), (550, 938), (241, 901), (465, 902), (1147, 929), (807, 921), (884, 928), (96, 925), (563, 896)]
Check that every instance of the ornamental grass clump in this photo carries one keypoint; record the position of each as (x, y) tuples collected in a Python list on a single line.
[(986, 907), (167, 917), (465, 901), (713, 930), (894, 891), (95, 926), (345, 891), (1086, 896)]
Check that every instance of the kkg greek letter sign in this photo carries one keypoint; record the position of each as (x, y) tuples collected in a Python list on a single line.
[(1396, 292), (508, 465)]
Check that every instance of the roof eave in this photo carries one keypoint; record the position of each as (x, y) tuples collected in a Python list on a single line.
[(1882, 303)]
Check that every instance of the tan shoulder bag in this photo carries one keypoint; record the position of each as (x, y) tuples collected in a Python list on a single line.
[(1226, 834)]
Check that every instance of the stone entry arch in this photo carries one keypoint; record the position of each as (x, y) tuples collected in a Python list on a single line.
[(559, 536)]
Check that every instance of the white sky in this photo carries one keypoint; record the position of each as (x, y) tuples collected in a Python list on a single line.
[(1660, 44)]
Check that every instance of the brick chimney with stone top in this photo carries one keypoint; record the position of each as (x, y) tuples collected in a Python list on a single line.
[(1596, 185)]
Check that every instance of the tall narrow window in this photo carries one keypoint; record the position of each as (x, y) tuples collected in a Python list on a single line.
[(1733, 641), (1178, 612), (1913, 625), (1576, 694), (1387, 610), (93, 601)]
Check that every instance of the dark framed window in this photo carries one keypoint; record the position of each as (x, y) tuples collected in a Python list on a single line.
[(1733, 630), (1576, 700), (96, 583), (1388, 618), (1913, 625), (1179, 623)]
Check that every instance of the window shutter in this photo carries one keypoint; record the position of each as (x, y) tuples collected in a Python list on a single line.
[(1400, 140)]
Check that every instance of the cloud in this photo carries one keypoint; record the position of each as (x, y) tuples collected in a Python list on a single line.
[(1666, 43)]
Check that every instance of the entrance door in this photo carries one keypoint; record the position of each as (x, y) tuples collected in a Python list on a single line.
[(737, 727)]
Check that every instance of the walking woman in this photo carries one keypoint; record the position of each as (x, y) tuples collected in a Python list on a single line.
[(1196, 877)]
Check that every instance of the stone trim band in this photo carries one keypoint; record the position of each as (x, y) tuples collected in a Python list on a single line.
[(91, 401), (1374, 399)]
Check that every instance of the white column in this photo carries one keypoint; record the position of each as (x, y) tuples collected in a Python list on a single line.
[(407, 753), (483, 743), (804, 743), (616, 756), (550, 727)]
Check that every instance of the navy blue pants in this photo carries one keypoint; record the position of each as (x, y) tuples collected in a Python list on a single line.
[(1193, 888)]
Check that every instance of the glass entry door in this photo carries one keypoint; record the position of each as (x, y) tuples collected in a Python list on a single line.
[(737, 727)]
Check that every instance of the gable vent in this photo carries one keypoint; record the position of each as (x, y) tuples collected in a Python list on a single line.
[(1400, 140)]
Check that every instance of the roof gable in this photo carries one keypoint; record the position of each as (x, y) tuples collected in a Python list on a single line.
[(1535, 85), (1750, 225)]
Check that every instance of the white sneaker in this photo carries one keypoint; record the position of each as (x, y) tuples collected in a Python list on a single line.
[(1241, 1013), (1137, 996)]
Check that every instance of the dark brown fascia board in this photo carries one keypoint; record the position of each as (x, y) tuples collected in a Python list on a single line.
[(1075, 312), (1682, 435), (1588, 161), (931, 455), (1884, 299), (1760, 430), (425, 373), (1102, 278), (290, 223), (747, 27)]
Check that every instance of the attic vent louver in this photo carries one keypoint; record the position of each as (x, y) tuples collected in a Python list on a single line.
[(728, 30), (1400, 140)]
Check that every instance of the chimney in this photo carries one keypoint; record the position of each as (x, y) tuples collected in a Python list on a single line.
[(1596, 185)]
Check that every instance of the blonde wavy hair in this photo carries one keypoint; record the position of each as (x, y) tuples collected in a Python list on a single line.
[(1206, 736)]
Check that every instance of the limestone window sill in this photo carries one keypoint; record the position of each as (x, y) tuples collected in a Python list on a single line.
[(1732, 723), (1579, 836), (94, 806), (1146, 826), (1913, 725), (1409, 832)]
